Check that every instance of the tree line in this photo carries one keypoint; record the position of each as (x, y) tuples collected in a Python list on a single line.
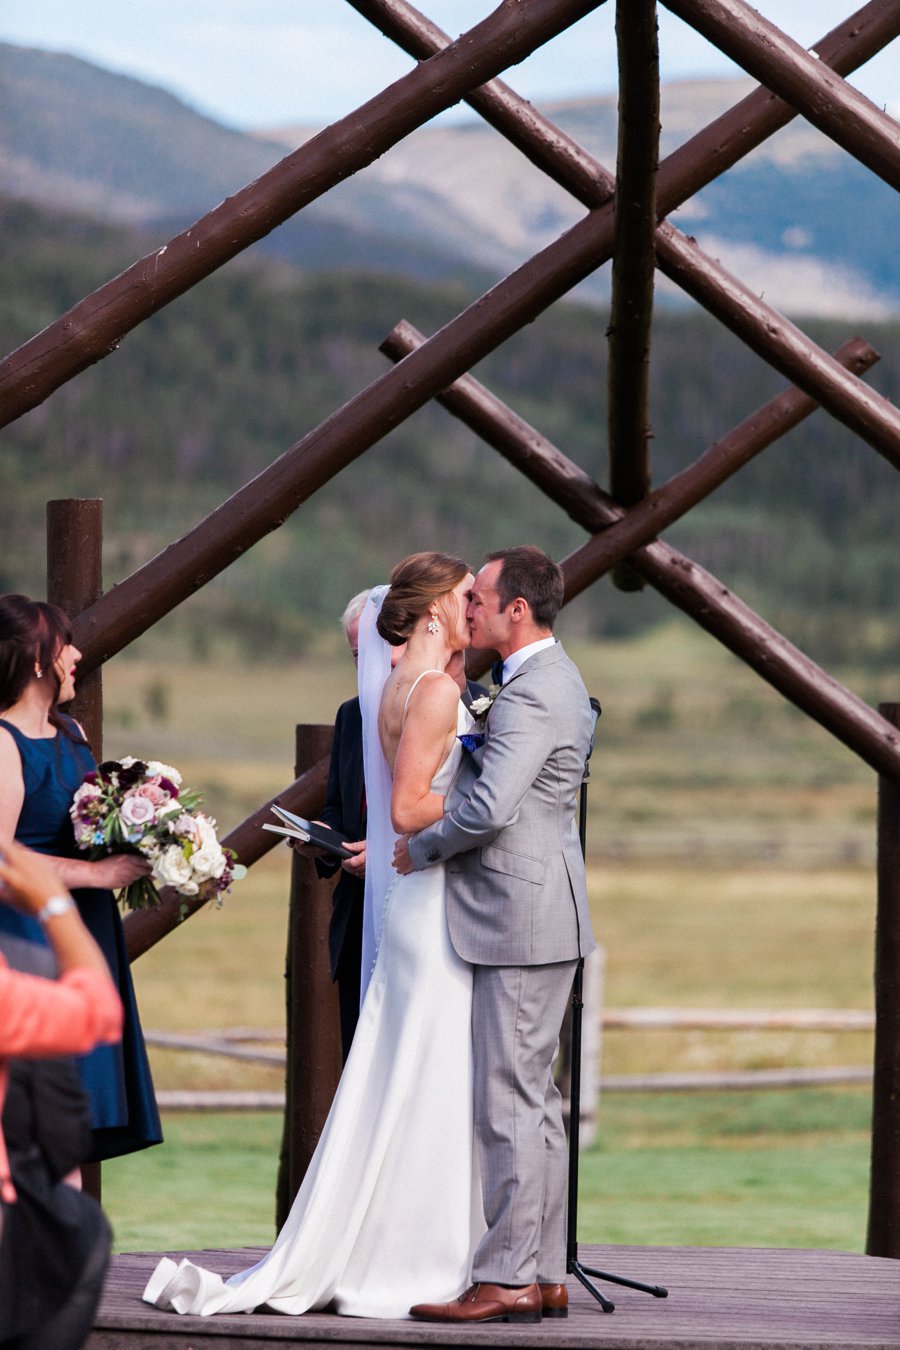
[(207, 393)]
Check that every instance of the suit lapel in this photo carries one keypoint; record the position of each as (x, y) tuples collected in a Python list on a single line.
[(548, 656)]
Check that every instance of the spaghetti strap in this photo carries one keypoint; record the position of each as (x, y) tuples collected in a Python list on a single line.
[(415, 682)]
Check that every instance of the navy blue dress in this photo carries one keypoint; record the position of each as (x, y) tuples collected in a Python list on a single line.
[(116, 1077)]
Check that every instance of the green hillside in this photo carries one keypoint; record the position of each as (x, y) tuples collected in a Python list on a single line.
[(206, 394)]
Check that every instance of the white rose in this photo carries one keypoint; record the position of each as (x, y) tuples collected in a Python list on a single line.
[(208, 861), (87, 790), (172, 869), (156, 769)]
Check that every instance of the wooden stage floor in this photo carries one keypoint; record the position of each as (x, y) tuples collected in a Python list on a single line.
[(719, 1298)]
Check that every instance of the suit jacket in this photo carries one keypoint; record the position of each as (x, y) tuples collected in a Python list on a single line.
[(515, 882), (344, 811)]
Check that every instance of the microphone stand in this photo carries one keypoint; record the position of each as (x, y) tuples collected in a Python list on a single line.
[(573, 1265)]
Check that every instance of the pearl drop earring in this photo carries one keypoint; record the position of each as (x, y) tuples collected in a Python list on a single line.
[(433, 626)]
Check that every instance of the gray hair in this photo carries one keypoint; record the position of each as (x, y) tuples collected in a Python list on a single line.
[(354, 608)]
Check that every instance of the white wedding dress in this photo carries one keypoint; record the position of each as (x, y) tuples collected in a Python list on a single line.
[(389, 1213)]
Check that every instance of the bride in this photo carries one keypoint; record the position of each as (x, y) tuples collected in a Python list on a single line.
[(390, 1209)]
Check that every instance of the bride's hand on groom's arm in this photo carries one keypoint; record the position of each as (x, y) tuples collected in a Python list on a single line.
[(402, 861), (356, 866)]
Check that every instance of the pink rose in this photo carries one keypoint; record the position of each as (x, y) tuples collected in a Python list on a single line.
[(137, 811), (153, 792)]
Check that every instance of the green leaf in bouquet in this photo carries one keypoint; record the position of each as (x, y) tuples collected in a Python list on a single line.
[(140, 894)]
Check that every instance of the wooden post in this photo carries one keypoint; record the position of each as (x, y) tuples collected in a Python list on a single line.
[(313, 1022), (634, 262), (75, 581), (883, 1237)]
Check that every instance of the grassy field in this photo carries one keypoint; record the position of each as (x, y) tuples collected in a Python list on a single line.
[(730, 865), (709, 1169)]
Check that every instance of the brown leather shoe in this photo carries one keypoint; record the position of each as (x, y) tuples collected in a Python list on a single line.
[(485, 1303), (555, 1300)]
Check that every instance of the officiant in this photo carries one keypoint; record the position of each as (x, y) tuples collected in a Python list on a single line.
[(345, 810)]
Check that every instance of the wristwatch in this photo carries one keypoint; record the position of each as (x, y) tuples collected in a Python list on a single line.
[(56, 905)]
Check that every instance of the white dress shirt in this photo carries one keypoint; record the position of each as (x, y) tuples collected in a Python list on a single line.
[(516, 659)]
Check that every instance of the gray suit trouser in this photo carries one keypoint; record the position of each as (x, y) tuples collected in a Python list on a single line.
[(516, 1017)]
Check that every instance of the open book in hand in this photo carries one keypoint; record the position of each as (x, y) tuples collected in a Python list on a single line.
[(309, 832)]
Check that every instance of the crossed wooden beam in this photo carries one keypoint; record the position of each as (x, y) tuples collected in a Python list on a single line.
[(437, 367)]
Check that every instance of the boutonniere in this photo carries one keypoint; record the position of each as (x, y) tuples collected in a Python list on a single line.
[(481, 706)]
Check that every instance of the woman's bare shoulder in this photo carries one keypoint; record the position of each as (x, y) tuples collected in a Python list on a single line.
[(438, 691)]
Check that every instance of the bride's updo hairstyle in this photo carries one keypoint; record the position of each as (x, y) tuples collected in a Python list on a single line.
[(417, 583)]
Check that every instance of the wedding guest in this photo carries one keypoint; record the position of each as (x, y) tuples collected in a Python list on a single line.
[(54, 1240), (44, 757)]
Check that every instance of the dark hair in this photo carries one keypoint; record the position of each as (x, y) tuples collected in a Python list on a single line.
[(416, 583), (32, 633), (529, 573)]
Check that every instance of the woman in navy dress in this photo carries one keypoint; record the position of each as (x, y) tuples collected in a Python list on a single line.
[(44, 758)]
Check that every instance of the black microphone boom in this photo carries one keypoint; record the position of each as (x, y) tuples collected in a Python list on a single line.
[(573, 1265)]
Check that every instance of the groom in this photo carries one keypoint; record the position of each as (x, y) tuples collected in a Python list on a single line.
[(517, 911)]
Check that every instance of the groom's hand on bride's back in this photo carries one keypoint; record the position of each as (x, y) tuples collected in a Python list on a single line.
[(402, 860)]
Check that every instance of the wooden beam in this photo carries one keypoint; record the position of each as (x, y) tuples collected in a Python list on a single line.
[(159, 586), (800, 78), (643, 522), (539, 140), (96, 325), (719, 146), (135, 604), (259, 507), (883, 1237), (781, 343), (617, 531), (634, 261), (683, 582), (731, 137)]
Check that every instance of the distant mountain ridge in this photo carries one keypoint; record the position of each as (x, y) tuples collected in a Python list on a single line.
[(450, 200)]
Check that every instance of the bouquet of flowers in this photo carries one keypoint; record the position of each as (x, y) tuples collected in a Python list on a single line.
[(140, 806)]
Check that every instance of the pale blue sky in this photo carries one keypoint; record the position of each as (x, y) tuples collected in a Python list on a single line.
[(263, 63)]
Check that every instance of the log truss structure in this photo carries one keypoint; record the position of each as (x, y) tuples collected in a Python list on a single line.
[(625, 220)]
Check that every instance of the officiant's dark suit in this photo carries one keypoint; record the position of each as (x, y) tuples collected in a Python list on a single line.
[(345, 810)]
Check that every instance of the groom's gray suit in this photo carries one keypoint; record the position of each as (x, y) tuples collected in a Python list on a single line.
[(517, 910)]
